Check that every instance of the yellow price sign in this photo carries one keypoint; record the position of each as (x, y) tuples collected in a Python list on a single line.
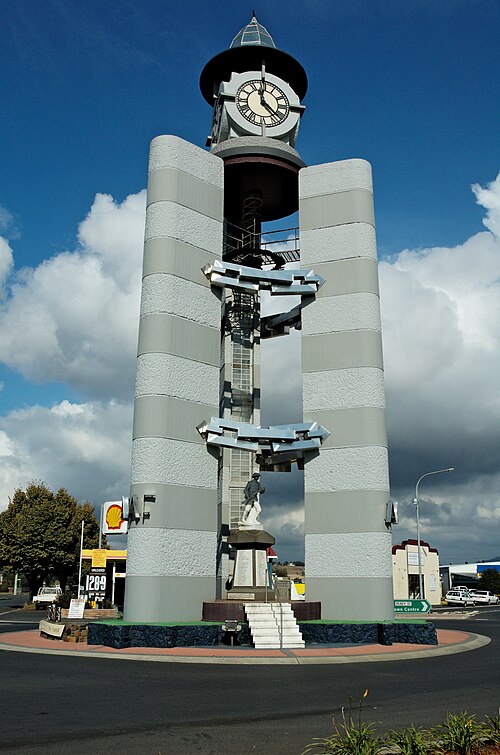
[(99, 557)]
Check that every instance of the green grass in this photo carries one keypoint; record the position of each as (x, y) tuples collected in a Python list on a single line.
[(121, 622), (389, 621)]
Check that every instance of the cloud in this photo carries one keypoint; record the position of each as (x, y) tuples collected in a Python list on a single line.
[(283, 512), (281, 360), (281, 378), (463, 525), (115, 234), (84, 447), (440, 312), (74, 318), (440, 315), (6, 263), (489, 198), (8, 225)]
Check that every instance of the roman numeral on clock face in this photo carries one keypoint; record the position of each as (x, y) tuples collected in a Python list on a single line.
[(250, 115)]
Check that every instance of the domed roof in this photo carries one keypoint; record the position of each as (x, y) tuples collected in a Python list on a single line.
[(253, 34), (252, 47)]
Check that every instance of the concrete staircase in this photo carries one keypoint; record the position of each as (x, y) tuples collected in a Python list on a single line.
[(266, 624)]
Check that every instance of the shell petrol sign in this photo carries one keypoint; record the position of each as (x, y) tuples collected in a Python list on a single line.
[(113, 522)]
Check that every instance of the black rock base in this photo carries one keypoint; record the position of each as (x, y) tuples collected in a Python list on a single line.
[(159, 636), (383, 634)]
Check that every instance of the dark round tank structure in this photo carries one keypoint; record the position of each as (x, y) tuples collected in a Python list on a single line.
[(266, 166)]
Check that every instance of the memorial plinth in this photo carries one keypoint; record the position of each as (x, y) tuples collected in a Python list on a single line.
[(250, 578)]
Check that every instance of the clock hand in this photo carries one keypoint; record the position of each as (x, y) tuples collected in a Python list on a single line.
[(267, 105)]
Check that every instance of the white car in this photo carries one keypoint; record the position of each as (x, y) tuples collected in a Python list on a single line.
[(46, 596), (459, 598), (483, 596)]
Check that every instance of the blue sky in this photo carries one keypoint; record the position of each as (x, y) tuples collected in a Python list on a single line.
[(412, 87)]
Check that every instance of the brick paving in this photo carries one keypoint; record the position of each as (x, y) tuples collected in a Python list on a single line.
[(451, 640)]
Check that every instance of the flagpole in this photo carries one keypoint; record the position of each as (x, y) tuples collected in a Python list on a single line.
[(81, 557), (100, 526)]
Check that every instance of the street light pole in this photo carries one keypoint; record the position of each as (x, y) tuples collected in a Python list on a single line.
[(81, 557), (419, 549), (100, 526)]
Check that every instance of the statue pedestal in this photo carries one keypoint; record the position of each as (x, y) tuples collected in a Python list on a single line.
[(250, 569)]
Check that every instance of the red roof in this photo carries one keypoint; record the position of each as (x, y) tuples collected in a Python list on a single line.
[(403, 545)]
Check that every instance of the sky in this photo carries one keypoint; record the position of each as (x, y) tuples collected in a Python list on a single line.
[(412, 87)]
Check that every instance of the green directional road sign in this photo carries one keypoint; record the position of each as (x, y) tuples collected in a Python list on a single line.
[(412, 606)]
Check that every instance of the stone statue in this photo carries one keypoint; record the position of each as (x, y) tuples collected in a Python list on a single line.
[(252, 506)]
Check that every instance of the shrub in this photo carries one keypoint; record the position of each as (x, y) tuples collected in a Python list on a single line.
[(280, 571), (64, 599), (411, 741), (492, 729), (490, 580), (460, 733), (350, 737)]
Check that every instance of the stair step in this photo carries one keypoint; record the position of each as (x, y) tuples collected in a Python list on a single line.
[(264, 631), (260, 613), (267, 621), (277, 646), (285, 619)]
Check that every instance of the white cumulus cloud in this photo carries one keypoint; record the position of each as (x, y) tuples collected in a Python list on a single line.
[(6, 263), (83, 447), (441, 314), (74, 318), (489, 198)]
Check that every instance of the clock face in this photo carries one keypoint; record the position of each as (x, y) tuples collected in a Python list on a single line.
[(262, 102)]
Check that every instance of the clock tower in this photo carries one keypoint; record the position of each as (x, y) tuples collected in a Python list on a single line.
[(197, 438), (255, 89)]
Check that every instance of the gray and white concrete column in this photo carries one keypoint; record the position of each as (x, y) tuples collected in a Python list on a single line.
[(171, 564), (348, 546)]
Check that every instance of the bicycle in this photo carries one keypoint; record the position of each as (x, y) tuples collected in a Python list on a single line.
[(54, 613)]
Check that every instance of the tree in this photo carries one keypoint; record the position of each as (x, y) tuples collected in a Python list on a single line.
[(40, 534), (280, 571), (490, 580)]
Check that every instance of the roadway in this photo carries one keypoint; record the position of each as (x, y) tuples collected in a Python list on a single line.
[(57, 704)]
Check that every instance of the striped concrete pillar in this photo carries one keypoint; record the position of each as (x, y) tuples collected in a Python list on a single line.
[(348, 546), (171, 560)]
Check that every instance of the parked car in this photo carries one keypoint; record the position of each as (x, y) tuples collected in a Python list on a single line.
[(46, 596), (459, 598), (484, 596)]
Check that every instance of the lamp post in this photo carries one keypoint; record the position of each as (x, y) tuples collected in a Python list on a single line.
[(419, 550), (81, 557)]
